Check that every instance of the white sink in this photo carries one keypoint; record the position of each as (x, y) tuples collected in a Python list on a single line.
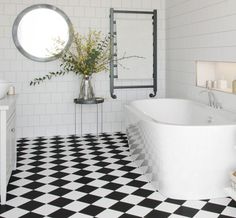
[(4, 87)]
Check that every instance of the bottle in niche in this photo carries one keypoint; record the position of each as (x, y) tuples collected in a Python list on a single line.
[(234, 86), (209, 84), (214, 84), (222, 84)]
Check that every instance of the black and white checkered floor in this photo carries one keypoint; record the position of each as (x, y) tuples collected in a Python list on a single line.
[(87, 177)]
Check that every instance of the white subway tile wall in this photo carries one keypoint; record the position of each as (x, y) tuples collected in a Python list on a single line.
[(48, 109), (198, 30)]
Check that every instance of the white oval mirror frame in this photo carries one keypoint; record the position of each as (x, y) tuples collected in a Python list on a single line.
[(41, 32)]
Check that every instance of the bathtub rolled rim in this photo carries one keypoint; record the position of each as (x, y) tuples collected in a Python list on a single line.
[(130, 106)]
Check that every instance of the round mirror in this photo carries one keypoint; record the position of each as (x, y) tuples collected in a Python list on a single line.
[(41, 32)]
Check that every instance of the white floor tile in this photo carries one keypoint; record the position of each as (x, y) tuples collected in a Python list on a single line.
[(105, 202), (229, 211), (76, 206), (15, 202), (102, 192), (46, 198), (74, 195), (221, 201), (46, 209), (167, 207), (126, 189), (139, 211), (206, 214), (110, 214), (16, 212), (133, 199), (194, 204)]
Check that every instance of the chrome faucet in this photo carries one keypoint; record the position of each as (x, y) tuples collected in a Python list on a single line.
[(212, 101)]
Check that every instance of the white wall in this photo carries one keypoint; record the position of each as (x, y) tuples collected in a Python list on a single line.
[(48, 109), (198, 30)]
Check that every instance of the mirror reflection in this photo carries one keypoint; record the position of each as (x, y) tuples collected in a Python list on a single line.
[(42, 32)]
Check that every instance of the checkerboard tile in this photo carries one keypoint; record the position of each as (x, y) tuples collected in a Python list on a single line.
[(92, 177)]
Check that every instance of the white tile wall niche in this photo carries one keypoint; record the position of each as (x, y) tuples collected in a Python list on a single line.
[(198, 30), (48, 109), (216, 75)]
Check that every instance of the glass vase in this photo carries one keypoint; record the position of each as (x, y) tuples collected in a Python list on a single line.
[(86, 88)]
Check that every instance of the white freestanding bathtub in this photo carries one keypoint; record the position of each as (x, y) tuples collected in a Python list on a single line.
[(186, 149)]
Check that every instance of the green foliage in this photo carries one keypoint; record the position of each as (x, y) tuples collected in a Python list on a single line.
[(87, 55)]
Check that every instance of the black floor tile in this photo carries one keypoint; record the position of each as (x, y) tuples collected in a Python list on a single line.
[(121, 206), (89, 199), (186, 211), (149, 203), (117, 195), (62, 213), (157, 214), (92, 210), (216, 208)]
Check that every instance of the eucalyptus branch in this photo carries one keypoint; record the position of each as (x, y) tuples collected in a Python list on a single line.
[(37, 81), (121, 65)]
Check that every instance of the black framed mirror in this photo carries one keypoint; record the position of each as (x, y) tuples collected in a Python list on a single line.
[(41, 32)]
